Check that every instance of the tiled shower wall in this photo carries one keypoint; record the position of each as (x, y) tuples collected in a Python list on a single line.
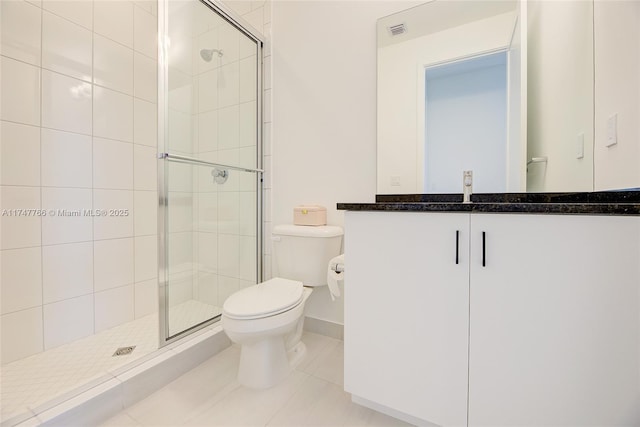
[(78, 113), (78, 110)]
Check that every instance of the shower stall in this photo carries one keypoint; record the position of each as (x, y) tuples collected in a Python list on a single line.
[(210, 168), (131, 185)]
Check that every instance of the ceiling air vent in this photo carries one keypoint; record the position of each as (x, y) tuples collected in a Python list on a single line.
[(396, 30)]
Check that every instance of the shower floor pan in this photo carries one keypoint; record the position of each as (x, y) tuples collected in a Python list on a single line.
[(34, 384)]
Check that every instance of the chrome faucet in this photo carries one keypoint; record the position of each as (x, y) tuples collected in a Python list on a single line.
[(467, 186)]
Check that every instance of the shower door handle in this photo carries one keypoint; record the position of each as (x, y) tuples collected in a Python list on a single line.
[(457, 246)]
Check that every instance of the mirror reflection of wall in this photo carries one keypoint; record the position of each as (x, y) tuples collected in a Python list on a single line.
[(573, 74), (465, 123), (443, 98)]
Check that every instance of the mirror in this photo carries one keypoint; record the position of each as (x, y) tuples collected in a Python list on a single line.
[(532, 96)]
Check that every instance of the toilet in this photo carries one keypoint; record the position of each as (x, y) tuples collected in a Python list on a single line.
[(266, 319)]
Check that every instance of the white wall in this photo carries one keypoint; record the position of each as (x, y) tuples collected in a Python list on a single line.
[(324, 111), (78, 132), (560, 94), (617, 90), (466, 114)]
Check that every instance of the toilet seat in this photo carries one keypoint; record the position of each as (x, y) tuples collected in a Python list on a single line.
[(265, 299)]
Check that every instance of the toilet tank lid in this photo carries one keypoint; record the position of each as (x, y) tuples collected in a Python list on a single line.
[(307, 230)]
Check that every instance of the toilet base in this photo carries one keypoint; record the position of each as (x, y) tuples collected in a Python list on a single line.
[(263, 363), (296, 354)]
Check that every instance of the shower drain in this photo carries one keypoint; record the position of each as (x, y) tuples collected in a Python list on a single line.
[(123, 351)]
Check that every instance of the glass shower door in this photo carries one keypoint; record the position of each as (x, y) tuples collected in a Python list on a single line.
[(210, 175)]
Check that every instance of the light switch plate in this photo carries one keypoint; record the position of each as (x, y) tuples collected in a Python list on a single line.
[(395, 181)]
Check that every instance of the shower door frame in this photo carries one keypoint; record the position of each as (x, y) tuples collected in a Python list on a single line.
[(163, 78)]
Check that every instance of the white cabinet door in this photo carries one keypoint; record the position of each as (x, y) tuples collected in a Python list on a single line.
[(554, 335), (406, 312)]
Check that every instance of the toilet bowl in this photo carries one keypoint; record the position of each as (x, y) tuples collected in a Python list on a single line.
[(269, 334), (266, 319)]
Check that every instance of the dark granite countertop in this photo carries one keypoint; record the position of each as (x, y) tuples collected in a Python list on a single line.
[(594, 203)]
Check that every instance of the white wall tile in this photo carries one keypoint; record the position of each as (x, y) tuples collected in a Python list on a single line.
[(146, 258), (20, 231), (248, 79), (247, 213), (180, 212), (113, 263), (67, 321), (229, 257), (208, 131), (66, 47), (21, 334), (112, 164), (145, 168), (114, 19), (180, 289), (112, 65), (66, 103), (248, 259), (113, 114), (180, 252), (20, 29), (266, 109), (249, 159), (229, 38), (180, 138), (80, 12), (67, 159), (248, 135), (114, 307), (145, 77), (19, 92), (266, 139), (146, 298), (266, 67), (207, 212), (68, 223), (267, 268), (20, 154), (208, 252), (226, 287), (21, 285), (145, 208), (229, 212), (229, 84), (208, 91), (247, 47), (145, 32), (67, 271), (255, 18), (266, 238), (145, 123), (208, 288), (229, 127), (117, 225)]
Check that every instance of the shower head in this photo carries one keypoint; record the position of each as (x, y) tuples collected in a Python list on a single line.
[(207, 54)]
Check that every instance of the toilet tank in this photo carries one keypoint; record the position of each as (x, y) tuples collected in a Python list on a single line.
[(302, 252)]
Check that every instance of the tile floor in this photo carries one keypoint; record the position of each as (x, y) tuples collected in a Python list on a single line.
[(209, 395), (45, 377)]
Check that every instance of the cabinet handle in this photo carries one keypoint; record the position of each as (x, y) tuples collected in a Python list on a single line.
[(457, 244), (484, 246)]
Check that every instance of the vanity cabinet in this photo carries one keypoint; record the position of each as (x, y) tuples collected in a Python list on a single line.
[(537, 324)]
